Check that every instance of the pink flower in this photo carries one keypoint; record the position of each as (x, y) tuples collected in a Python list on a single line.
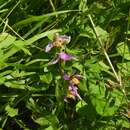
[(73, 79), (62, 56), (72, 93)]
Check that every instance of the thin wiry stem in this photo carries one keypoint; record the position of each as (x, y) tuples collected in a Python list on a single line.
[(11, 29), (104, 51)]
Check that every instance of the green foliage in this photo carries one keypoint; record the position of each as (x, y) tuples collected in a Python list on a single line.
[(34, 93)]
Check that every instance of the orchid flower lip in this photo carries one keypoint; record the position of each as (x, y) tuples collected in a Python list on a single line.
[(73, 86), (72, 93)]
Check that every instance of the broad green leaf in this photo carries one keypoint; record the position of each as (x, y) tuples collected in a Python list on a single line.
[(49, 120), (123, 123), (103, 66), (104, 106), (49, 128), (42, 121), (11, 111), (123, 50), (78, 66), (11, 52), (103, 34), (124, 68), (80, 104)]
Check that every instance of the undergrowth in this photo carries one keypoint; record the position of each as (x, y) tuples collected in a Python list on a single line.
[(64, 65)]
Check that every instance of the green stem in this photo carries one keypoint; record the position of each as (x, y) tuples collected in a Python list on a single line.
[(104, 51)]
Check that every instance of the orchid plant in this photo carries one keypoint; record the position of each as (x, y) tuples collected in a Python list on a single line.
[(59, 41)]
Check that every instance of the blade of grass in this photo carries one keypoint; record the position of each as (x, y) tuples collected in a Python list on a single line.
[(104, 51), (19, 43), (35, 28), (39, 18), (39, 36)]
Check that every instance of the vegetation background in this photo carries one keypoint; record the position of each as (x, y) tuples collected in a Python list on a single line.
[(32, 93)]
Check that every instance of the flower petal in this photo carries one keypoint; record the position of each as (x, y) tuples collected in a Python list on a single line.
[(66, 77), (54, 61), (74, 91), (49, 47), (78, 76), (65, 56), (66, 39), (79, 96)]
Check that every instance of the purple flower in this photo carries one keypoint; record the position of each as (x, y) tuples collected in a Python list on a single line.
[(58, 41), (73, 79), (62, 56), (65, 57), (72, 93), (65, 76)]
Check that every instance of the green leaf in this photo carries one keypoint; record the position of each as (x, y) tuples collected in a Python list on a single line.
[(83, 5), (35, 61), (11, 111), (20, 45), (103, 34), (124, 68), (47, 78), (123, 50), (39, 18), (6, 40), (78, 66), (104, 106), (49, 128), (49, 120), (42, 35), (80, 104), (21, 74), (123, 123), (20, 84), (103, 66), (42, 121)]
